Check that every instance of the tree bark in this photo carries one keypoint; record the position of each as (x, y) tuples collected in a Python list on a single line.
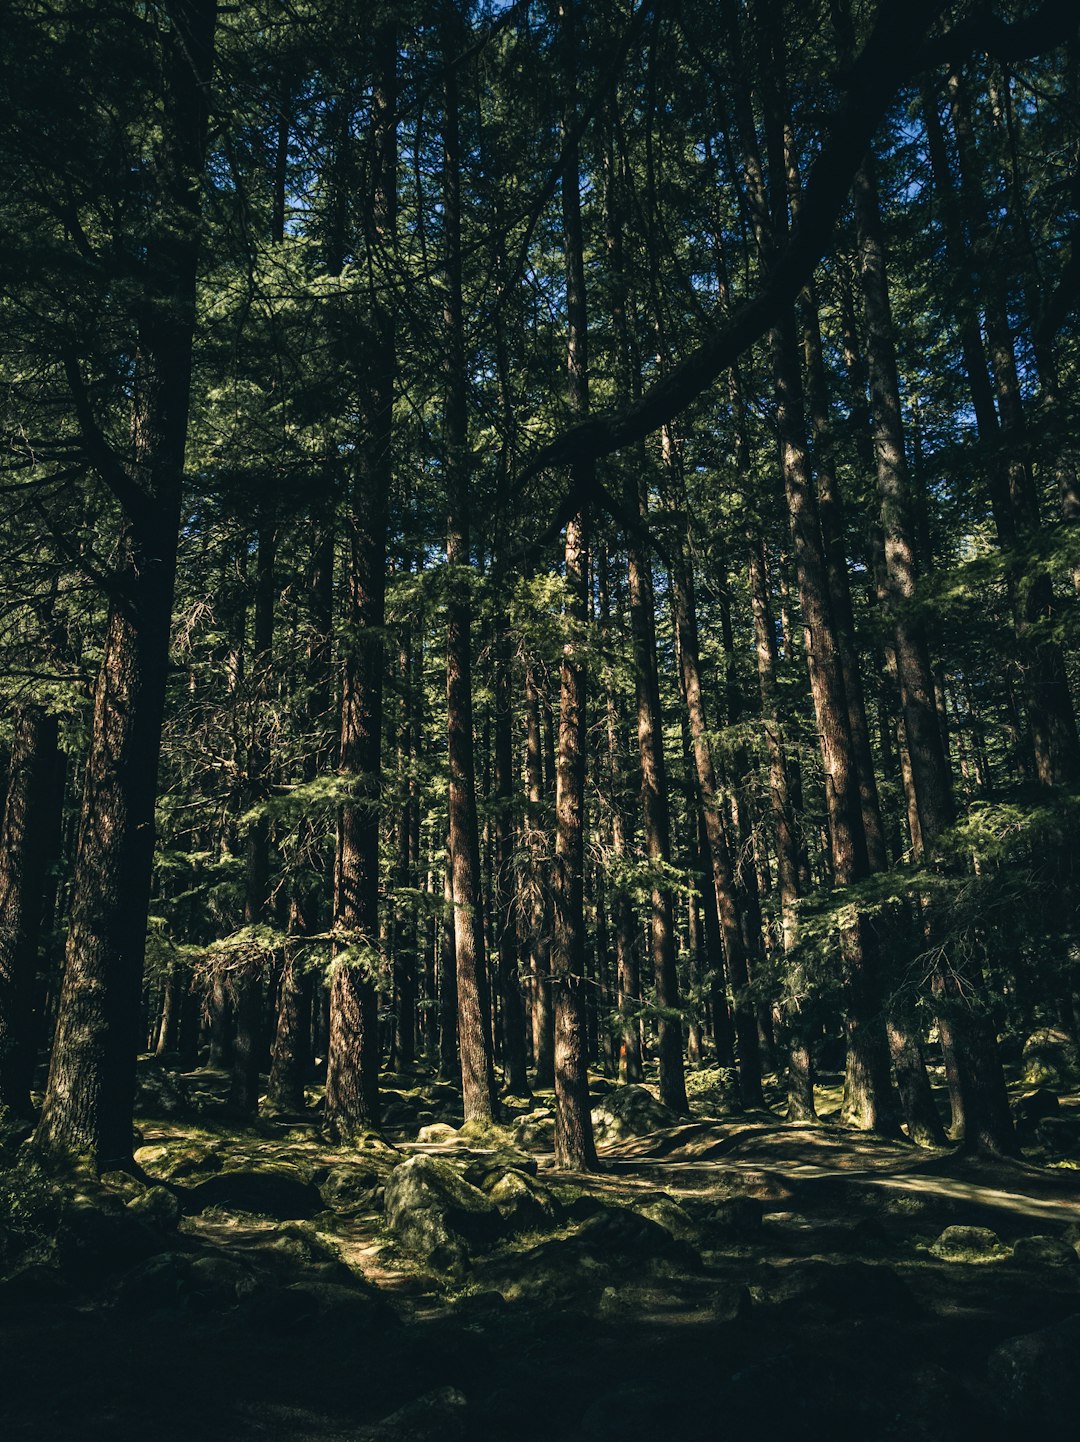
[(89, 1095)]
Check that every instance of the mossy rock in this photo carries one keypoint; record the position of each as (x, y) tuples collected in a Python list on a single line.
[(674, 1218), (437, 1215), (1035, 1382), (976, 1245), (278, 1191), (182, 1161), (437, 1416), (438, 1134), (349, 1189), (523, 1205), (629, 1111), (157, 1207), (1059, 1137), (1045, 1251), (98, 1233), (159, 1282), (536, 1131), (302, 1305), (1050, 1059)]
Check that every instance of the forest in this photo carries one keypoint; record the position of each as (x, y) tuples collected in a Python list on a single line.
[(539, 767)]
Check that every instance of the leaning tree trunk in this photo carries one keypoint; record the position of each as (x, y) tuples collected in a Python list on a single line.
[(89, 1097)]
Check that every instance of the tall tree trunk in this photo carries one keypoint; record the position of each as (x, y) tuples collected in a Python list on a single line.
[(89, 1096), (574, 1146), (474, 1019), (352, 1070), (512, 1011), (29, 830), (541, 914)]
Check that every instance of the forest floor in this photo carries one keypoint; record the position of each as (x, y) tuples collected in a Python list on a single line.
[(723, 1276)]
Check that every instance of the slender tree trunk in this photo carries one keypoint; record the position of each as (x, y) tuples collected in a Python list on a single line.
[(352, 1071), (541, 917), (474, 1022), (574, 1146)]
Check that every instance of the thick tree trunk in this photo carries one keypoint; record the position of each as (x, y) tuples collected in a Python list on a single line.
[(90, 1092), (29, 830)]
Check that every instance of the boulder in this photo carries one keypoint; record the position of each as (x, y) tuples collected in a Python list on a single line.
[(620, 1234), (1035, 1105), (523, 1205), (302, 1305), (350, 1188), (670, 1215), (438, 1134), (437, 1416), (216, 1283), (98, 1233), (535, 1132), (629, 1111), (157, 1207), (161, 1281), (279, 1192), (487, 1168), (180, 1162), (1035, 1382), (1059, 1137), (436, 1214), (736, 1216), (161, 1093), (1045, 1251), (857, 1289), (969, 1244), (606, 1418), (1050, 1060)]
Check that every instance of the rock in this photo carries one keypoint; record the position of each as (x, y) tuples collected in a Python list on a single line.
[(1050, 1059), (736, 1216), (436, 1214), (349, 1189), (160, 1093), (99, 1233), (1035, 1381), (858, 1289), (864, 1384), (522, 1204), (489, 1167), (1035, 1105), (438, 1134), (1059, 1137), (273, 1192), (969, 1244), (606, 1419), (536, 1131), (437, 1416), (670, 1215), (179, 1163), (305, 1304), (157, 1207), (400, 1113), (618, 1233), (1047, 1251), (629, 1111), (216, 1282), (160, 1281)]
